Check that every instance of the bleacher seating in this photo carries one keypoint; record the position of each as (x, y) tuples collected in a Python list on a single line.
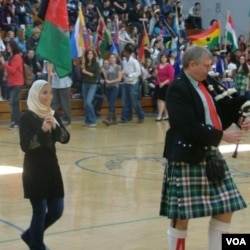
[(76, 106)]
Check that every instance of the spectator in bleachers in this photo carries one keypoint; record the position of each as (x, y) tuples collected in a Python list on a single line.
[(170, 26), (135, 17), (121, 8), (107, 11), (9, 37), (242, 76), (155, 17), (135, 35), (20, 40), (146, 16), (195, 16), (2, 46), (147, 77), (24, 13), (32, 42), (72, 7), (35, 4), (114, 21), (8, 19), (124, 37), (167, 6), (160, 28), (29, 28), (230, 70), (30, 60), (242, 45), (90, 10), (155, 52)]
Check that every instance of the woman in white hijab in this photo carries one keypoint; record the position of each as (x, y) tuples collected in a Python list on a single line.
[(40, 129)]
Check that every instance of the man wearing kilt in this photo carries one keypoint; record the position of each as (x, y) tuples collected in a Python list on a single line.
[(200, 113)]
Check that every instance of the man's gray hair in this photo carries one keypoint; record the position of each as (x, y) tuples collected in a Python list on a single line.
[(195, 53)]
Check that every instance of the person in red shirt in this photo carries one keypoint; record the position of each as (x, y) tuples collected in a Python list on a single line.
[(15, 80)]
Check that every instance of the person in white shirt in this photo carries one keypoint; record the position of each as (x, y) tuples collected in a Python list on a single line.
[(130, 87), (195, 15)]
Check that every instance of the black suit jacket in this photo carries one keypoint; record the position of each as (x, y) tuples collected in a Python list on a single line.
[(189, 137)]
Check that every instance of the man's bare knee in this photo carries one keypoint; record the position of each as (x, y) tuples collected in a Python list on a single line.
[(179, 224)]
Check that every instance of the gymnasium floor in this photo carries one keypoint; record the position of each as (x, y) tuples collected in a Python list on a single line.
[(112, 177)]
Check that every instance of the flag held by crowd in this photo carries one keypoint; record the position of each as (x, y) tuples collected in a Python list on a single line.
[(115, 48), (103, 37), (79, 40), (54, 44), (144, 43), (230, 34), (209, 38)]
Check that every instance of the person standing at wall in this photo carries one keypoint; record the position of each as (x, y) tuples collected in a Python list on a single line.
[(40, 129), (112, 77), (61, 96), (90, 74), (15, 80), (130, 87), (198, 123)]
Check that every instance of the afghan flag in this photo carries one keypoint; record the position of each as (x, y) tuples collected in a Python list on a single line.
[(208, 38), (54, 44), (230, 34), (144, 43)]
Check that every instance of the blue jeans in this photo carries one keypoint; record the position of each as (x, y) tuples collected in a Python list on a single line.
[(112, 93), (14, 103), (45, 213), (88, 94), (130, 99)]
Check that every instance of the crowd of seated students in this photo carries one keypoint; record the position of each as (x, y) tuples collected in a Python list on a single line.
[(157, 17)]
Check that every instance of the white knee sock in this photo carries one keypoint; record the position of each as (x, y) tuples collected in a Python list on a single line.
[(216, 229), (176, 238)]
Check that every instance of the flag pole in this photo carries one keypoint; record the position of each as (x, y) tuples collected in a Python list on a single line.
[(225, 40)]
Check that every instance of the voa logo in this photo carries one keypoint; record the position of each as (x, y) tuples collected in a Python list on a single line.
[(236, 241)]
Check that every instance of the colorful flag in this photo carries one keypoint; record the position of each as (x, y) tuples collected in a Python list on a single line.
[(209, 38), (103, 37), (54, 44), (230, 34), (144, 43), (115, 48), (79, 39)]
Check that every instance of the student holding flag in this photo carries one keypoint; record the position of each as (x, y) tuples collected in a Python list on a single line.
[(90, 74)]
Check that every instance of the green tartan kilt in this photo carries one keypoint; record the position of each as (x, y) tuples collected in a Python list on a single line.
[(187, 193)]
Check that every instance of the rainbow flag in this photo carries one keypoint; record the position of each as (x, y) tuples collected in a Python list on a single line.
[(208, 38)]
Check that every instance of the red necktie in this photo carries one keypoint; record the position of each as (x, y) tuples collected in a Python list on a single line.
[(212, 110)]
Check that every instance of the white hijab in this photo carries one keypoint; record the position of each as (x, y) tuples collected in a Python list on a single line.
[(33, 102)]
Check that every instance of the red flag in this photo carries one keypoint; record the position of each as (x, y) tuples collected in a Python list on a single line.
[(143, 44), (100, 34)]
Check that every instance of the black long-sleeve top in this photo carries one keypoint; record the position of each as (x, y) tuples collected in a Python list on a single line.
[(41, 172)]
